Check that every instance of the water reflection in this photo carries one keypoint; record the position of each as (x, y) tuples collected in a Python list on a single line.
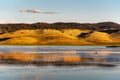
[(61, 59), (30, 77), (60, 55), (59, 63), (55, 48)]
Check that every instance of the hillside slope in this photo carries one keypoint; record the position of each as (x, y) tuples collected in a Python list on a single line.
[(59, 37)]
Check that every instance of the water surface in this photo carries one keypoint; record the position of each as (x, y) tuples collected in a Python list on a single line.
[(93, 71)]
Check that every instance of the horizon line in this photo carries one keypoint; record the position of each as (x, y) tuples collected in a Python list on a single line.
[(58, 22)]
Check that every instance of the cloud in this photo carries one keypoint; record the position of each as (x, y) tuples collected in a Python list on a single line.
[(37, 11)]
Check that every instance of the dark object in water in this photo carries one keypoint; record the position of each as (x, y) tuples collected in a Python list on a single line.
[(77, 49), (96, 53), (112, 46)]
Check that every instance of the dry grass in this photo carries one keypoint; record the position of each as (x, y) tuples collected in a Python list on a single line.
[(59, 37)]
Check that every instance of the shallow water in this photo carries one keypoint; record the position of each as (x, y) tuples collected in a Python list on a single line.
[(74, 72)]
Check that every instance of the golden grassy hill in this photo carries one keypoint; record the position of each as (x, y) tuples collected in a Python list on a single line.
[(99, 37), (59, 37)]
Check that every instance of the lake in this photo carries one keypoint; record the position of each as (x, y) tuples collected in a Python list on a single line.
[(104, 66)]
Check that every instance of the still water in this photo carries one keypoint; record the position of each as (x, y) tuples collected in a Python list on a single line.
[(77, 72)]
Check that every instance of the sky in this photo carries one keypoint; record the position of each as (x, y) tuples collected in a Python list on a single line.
[(50, 11)]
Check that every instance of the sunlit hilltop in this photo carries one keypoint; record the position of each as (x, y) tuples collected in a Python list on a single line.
[(106, 33)]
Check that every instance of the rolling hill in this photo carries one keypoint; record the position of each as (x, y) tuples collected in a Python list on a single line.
[(106, 33)]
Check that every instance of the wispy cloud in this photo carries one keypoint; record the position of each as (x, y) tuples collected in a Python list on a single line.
[(37, 11)]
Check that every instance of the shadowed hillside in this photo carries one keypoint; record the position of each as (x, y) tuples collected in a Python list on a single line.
[(104, 26)]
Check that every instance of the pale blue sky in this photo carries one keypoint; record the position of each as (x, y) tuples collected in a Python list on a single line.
[(82, 11)]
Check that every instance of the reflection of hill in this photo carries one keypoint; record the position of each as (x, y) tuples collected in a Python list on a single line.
[(59, 59)]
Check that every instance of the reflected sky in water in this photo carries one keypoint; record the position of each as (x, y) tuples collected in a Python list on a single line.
[(56, 48), (60, 73)]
